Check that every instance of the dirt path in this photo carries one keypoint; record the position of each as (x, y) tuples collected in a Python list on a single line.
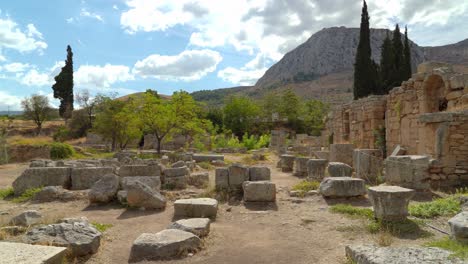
[(292, 231)]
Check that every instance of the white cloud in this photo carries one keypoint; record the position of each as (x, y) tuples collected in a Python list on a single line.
[(13, 37), (187, 66), (35, 78), (86, 13), (241, 76), (70, 20), (2, 58), (15, 67), (9, 101), (91, 76), (115, 7)]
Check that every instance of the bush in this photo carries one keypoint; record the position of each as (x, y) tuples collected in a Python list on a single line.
[(61, 134), (61, 150), (440, 207), (8, 192)]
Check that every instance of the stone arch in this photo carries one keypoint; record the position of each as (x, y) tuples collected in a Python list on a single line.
[(434, 94)]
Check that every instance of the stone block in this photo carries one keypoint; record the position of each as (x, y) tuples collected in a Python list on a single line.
[(459, 227), (316, 169), (342, 153), (238, 174), (197, 226), (140, 170), (287, 162), (259, 173), (390, 202), (105, 189), (342, 187), (221, 178), (207, 157), (154, 182), (259, 191), (141, 195), (408, 171), (197, 207), (41, 177), (300, 166), (31, 254), (339, 169), (27, 218), (368, 164), (176, 172), (199, 180), (85, 178), (322, 155)]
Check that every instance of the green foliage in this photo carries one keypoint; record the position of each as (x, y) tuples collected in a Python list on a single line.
[(240, 114), (380, 141), (61, 150), (5, 125), (386, 64), (459, 250), (101, 227), (406, 67), (63, 87), (26, 195), (7, 192), (205, 165), (305, 186), (217, 97), (61, 134), (439, 207), (352, 211), (37, 109), (79, 123)]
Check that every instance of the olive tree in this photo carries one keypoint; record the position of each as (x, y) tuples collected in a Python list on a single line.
[(37, 109)]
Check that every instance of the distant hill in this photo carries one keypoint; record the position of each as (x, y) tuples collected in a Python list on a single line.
[(216, 97), (11, 113)]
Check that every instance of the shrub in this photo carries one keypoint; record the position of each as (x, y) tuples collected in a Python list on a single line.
[(205, 165), (27, 195), (459, 250), (61, 134), (8, 192), (101, 227), (61, 150)]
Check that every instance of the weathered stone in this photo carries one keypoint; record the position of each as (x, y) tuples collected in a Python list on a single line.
[(163, 245), (13, 230), (259, 173), (80, 238), (300, 166), (199, 180), (198, 207), (368, 164), (408, 171), (436, 117), (459, 81), (41, 177), (339, 169), (139, 170), (259, 191), (31, 254), (207, 157), (390, 202), (197, 226), (237, 175), (105, 189), (430, 66), (141, 195), (370, 254), (122, 196), (85, 178), (342, 153), (221, 178), (398, 151), (316, 169), (342, 187), (178, 164), (179, 182), (322, 155), (176, 172), (154, 182), (27, 218), (459, 227), (287, 162)]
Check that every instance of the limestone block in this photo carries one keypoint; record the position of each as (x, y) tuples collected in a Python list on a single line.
[(140, 170), (339, 169), (85, 178), (237, 175), (199, 180), (287, 162), (221, 178), (31, 254), (197, 207), (176, 172), (27, 218), (41, 177), (341, 187), (316, 169), (259, 173), (141, 195), (259, 191), (322, 154), (154, 182), (368, 164), (390, 202), (105, 189), (342, 153), (207, 157), (459, 81), (300, 166), (408, 171), (459, 227), (197, 226)]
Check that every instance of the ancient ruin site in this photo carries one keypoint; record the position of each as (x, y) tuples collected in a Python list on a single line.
[(342, 140)]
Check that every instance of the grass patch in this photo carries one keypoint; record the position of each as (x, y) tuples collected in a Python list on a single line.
[(8, 192), (439, 207), (33, 141), (352, 211), (101, 227), (206, 165), (459, 250), (27, 195)]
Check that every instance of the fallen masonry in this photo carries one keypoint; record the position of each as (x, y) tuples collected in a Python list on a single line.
[(459, 227), (342, 187), (141, 195), (198, 226), (197, 207), (316, 169), (27, 218), (25, 253), (390, 202), (339, 169), (259, 191)]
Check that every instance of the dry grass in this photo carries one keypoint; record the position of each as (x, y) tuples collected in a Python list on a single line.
[(383, 238), (34, 141)]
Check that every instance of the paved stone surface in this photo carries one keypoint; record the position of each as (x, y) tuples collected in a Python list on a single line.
[(198, 226), (368, 254), (259, 191), (342, 187), (21, 253), (459, 227), (390, 202), (197, 207), (166, 244)]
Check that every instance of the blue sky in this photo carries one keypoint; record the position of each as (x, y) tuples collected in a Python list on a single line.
[(126, 46)]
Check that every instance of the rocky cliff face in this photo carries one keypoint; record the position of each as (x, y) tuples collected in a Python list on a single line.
[(333, 50)]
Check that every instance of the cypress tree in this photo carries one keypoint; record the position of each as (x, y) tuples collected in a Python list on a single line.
[(407, 57), (63, 87), (365, 79), (386, 64), (398, 60)]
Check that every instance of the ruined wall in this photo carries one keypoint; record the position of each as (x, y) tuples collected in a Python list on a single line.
[(359, 122)]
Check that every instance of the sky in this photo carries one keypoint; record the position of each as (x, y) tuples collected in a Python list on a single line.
[(126, 46)]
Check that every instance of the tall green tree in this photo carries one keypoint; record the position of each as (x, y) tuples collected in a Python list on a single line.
[(240, 114), (398, 59), (386, 64), (406, 57), (63, 87), (365, 79)]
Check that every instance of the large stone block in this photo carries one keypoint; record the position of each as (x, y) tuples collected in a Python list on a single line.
[(207, 157), (287, 162), (408, 171), (259, 173), (238, 174), (41, 177), (459, 227), (141, 195), (342, 187), (390, 202), (259, 191), (27, 218), (339, 169), (342, 153), (197, 226), (105, 189), (316, 169), (163, 245), (300, 166), (140, 170), (31, 254), (85, 178), (197, 207), (221, 178), (176, 172), (199, 180), (154, 182), (368, 164)]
